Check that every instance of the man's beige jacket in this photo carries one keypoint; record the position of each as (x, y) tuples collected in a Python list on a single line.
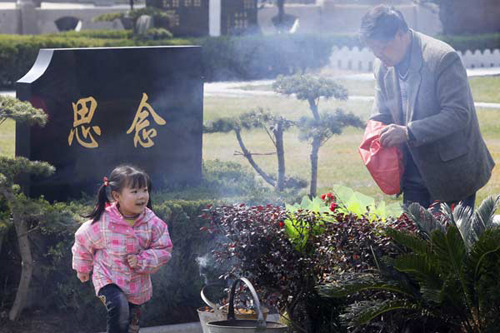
[(448, 148)]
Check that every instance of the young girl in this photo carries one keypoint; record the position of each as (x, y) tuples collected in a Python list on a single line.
[(123, 243)]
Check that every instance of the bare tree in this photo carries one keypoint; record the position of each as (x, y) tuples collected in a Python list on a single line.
[(322, 126), (274, 126), (22, 209)]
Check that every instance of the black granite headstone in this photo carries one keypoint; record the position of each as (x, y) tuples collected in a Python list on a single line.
[(108, 106)]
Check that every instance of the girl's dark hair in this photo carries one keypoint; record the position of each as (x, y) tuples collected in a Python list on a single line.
[(122, 176), (382, 23)]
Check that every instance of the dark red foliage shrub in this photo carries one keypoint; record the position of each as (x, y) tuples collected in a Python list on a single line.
[(287, 256)]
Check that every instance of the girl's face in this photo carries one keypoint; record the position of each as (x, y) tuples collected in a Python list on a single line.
[(132, 201)]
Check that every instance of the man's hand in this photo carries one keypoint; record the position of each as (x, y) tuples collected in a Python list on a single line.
[(393, 135), (132, 260), (83, 277)]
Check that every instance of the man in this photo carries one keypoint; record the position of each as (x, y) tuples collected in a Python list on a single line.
[(424, 96)]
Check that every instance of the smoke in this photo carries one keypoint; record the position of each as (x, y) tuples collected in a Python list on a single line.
[(210, 270), (204, 264)]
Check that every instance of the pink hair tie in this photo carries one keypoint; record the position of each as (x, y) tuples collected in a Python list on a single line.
[(106, 181)]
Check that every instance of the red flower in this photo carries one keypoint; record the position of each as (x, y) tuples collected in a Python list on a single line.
[(333, 206), (323, 196), (281, 224), (329, 195)]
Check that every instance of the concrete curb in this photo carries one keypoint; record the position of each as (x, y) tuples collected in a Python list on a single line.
[(178, 328), (194, 327)]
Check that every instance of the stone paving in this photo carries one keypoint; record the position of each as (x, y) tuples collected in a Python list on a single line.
[(178, 328)]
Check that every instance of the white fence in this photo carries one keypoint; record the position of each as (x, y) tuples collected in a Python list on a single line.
[(478, 59), (362, 59)]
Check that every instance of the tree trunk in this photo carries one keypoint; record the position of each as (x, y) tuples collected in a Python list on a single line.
[(279, 20), (316, 143), (27, 266), (281, 12), (314, 108), (2, 237), (280, 151), (252, 162)]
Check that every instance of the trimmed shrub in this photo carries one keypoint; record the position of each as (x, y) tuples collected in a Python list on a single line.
[(224, 58), (473, 42), (103, 34), (18, 53), (177, 286), (255, 57), (229, 182)]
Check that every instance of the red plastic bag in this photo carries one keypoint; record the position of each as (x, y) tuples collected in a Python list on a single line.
[(385, 164)]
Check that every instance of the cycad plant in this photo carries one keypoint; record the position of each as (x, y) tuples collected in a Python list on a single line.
[(445, 280)]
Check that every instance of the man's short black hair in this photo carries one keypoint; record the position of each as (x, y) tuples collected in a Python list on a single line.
[(382, 22)]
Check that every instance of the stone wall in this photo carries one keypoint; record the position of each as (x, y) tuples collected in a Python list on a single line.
[(46, 18), (25, 18), (10, 21), (322, 17), (333, 17)]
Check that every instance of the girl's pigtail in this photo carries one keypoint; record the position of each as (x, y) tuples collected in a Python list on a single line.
[(102, 199), (150, 189)]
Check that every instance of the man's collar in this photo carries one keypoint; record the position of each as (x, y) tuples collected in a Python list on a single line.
[(404, 65)]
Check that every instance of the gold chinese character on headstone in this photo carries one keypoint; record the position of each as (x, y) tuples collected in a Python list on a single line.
[(143, 135), (83, 111)]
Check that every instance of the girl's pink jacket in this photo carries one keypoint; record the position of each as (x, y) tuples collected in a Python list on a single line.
[(104, 245)]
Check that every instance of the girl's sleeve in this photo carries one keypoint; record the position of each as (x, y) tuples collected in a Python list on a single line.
[(88, 238), (159, 252)]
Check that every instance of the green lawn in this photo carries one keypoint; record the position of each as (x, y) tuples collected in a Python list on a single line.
[(218, 107), (7, 138), (484, 89), (355, 87), (339, 161)]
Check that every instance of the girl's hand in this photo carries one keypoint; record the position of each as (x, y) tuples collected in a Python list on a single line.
[(132, 260), (83, 277)]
